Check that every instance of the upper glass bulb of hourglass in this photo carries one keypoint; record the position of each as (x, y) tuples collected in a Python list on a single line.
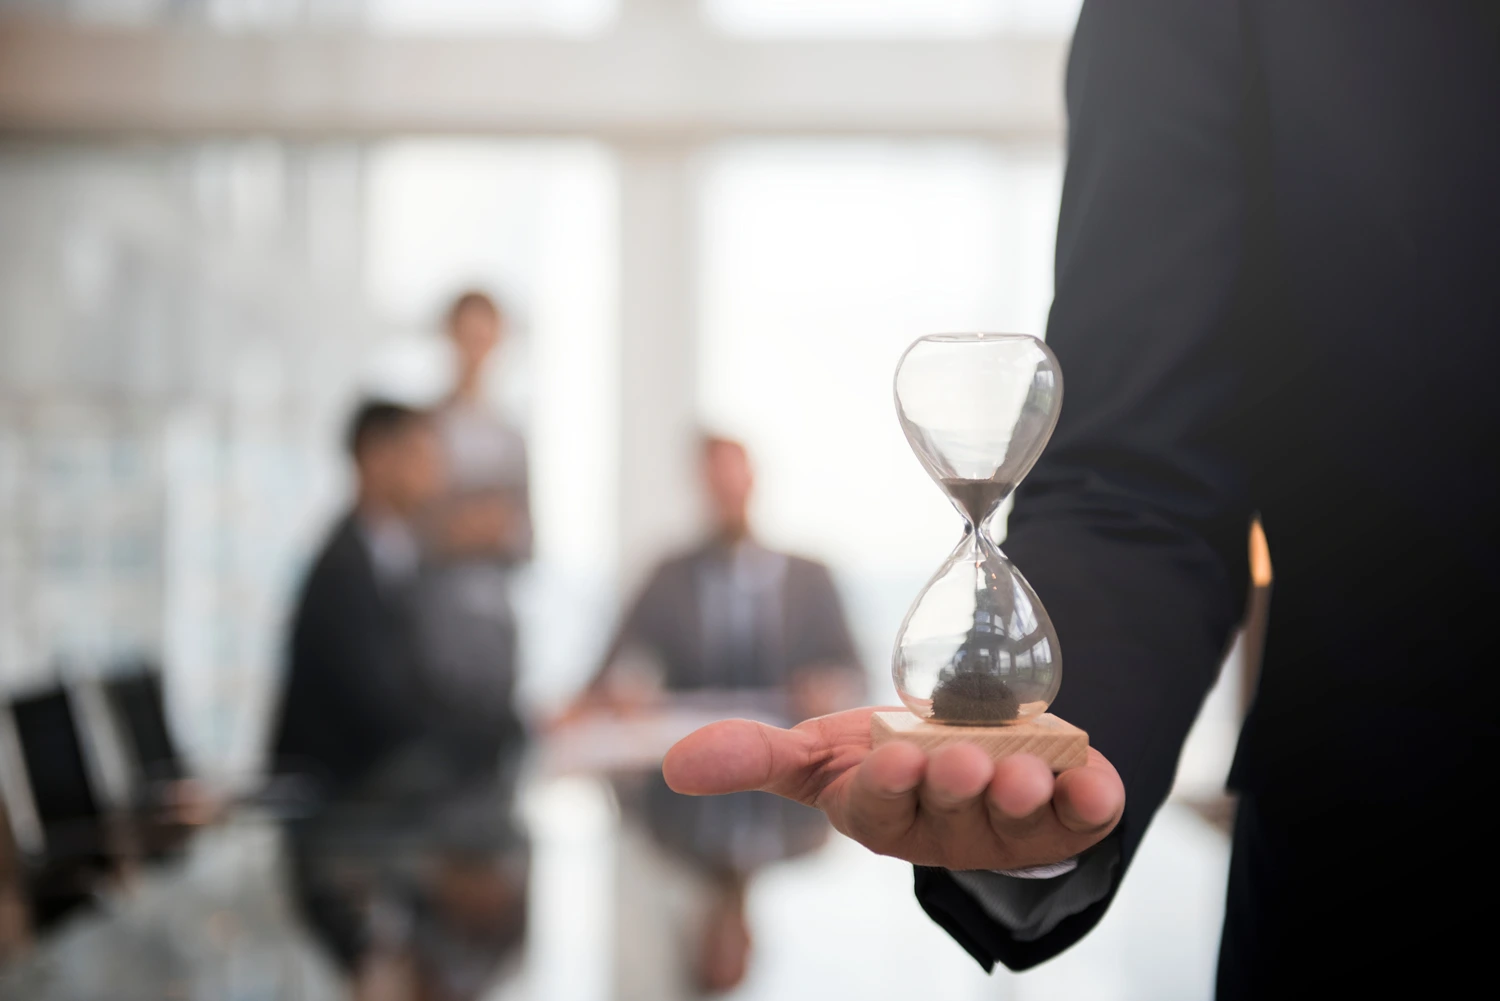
[(977, 646)]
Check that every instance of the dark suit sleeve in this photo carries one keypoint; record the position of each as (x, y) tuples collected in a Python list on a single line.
[(349, 696), (1133, 526)]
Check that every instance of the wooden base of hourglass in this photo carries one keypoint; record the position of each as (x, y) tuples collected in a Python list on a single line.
[(1057, 742)]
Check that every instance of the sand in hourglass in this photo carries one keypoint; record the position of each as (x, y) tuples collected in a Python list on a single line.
[(965, 694), (977, 498), (973, 697)]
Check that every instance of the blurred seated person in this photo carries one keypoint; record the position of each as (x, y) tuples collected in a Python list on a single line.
[(411, 871), (351, 687), (732, 616)]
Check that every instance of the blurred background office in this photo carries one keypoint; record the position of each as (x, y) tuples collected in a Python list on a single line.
[(224, 222)]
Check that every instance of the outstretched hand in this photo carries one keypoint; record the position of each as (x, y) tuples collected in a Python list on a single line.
[(955, 808)]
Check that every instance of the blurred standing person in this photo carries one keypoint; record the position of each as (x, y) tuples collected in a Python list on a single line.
[(478, 533), (730, 616)]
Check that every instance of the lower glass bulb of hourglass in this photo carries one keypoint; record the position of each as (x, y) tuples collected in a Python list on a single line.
[(977, 647)]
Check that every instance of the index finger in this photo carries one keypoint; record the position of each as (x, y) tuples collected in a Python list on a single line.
[(880, 801)]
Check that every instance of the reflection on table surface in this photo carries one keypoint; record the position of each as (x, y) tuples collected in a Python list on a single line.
[(218, 923), (634, 741)]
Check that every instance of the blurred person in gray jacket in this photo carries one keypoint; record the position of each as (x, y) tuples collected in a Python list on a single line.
[(731, 621)]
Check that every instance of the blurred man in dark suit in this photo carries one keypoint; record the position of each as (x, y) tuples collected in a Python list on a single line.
[(412, 871), (353, 679), (1278, 290), (732, 618)]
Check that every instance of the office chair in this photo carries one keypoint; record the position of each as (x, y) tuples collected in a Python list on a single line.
[(76, 837)]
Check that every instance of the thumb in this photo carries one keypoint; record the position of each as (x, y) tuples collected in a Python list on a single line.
[(735, 755)]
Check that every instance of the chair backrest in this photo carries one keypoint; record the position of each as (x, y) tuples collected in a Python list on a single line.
[(72, 841), (136, 702), (57, 768)]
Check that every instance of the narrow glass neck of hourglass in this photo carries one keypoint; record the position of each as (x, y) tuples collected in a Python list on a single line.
[(977, 544), (977, 534), (976, 500)]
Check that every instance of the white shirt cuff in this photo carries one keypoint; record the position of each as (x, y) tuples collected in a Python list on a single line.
[(1031, 902), (1049, 871)]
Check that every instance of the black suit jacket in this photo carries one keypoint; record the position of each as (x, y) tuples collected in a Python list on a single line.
[(1278, 290), (350, 694)]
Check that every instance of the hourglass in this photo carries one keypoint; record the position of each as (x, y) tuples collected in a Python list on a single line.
[(976, 658)]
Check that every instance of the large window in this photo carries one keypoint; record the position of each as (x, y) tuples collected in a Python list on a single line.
[(534, 223), (821, 262), (185, 327)]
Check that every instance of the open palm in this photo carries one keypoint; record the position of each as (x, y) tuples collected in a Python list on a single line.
[(955, 808)]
